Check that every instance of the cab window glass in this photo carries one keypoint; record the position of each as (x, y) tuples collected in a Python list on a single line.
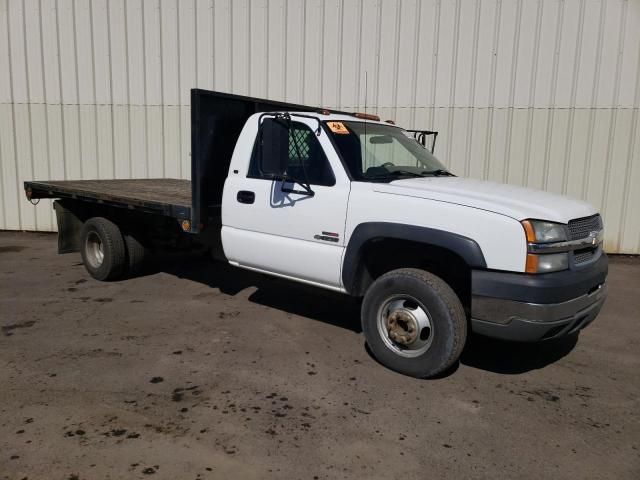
[(306, 160)]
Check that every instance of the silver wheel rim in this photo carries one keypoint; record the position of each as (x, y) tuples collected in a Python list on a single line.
[(405, 326), (94, 250)]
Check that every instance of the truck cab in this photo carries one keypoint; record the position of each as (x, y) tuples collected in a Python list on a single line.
[(359, 205), (347, 202)]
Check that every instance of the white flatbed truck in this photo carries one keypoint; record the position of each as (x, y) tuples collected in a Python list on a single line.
[(350, 203)]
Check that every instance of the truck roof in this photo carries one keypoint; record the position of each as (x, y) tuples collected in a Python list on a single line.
[(339, 117)]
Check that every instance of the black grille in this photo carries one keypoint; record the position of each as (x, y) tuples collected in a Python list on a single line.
[(581, 227), (582, 256)]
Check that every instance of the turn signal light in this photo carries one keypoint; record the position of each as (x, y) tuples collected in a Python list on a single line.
[(529, 231), (367, 116), (185, 225), (532, 263)]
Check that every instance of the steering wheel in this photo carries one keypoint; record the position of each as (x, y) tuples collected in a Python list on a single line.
[(388, 164)]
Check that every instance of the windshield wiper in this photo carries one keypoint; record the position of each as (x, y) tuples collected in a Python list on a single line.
[(406, 172), (395, 173), (398, 173), (440, 172)]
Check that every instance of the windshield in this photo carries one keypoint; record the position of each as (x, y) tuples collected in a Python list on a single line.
[(374, 152)]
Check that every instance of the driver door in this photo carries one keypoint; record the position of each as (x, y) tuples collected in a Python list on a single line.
[(293, 234)]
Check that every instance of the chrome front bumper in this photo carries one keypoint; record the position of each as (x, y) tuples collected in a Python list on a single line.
[(523, 321)]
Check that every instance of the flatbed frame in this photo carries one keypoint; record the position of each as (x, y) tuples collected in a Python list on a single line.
[(163, 196)]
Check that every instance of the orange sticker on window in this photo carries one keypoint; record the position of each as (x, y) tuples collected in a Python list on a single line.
[(338, 127)]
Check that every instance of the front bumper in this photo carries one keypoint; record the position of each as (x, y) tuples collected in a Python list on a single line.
[(529, 308)]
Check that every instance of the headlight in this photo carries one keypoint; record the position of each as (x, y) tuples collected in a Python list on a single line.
[(549, 262), (539, 231)]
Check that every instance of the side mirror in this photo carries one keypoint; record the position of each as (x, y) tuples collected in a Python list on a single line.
[(274, 147)]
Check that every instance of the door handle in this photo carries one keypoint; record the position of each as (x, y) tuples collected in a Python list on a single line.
[(245, 196)]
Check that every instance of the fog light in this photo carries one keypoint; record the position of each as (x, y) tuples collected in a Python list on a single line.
[(551, 262)]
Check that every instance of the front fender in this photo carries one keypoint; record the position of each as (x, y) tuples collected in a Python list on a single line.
[(466, 248)]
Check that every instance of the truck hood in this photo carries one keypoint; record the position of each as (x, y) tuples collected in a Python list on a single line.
[(516, 202)]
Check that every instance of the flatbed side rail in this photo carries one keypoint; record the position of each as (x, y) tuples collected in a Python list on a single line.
[(36, 190)]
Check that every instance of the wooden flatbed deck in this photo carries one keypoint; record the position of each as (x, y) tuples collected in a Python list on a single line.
[(165, 196)]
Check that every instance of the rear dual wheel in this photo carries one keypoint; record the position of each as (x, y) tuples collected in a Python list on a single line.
[(107, 253), (103, 250), (414, 322), (137, 254)]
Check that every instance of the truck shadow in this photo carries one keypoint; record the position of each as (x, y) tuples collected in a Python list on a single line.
[(512, 358), (291, 297), (507, 358)]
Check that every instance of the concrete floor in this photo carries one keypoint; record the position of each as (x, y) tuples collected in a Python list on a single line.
[(203, 371)]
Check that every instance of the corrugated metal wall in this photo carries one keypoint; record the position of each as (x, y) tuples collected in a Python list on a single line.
[(542, 93)]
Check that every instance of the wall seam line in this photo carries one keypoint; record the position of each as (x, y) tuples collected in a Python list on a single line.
[(322, 59), (46, 110), (61, 93), (13, 121), (179, 92), (532, 92), (146, 106), (28, 88), (629, 163), (572, 102), (358, 80), (454, 72), (613, 121), (301, 56), (340, 58), (416, 59), (492, 89), (378, 48), (110, 53), (162, 107), (213, 45), (472, 89), (396, 60), (249, 39), (128, 83), (93, 87), (552, 96), (594, 93), (434, 71), (512, 88)]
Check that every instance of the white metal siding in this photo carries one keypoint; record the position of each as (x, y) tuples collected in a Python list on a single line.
[(542, 93)]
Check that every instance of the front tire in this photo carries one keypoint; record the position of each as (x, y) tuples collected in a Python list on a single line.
[(103, 250), (414, 322)]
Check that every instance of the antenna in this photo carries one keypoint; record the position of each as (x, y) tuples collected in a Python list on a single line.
[(366, 150), (365, 91)]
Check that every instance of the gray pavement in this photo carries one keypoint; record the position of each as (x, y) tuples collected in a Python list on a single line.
[(198, 370)]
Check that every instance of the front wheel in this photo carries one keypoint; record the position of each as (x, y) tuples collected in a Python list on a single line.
[(414, 322)]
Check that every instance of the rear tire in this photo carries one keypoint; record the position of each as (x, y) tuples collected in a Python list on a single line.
[(103, 249), (137, 255), (414, 322)]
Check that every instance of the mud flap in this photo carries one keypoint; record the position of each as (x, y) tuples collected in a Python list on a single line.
[(69, 226)]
